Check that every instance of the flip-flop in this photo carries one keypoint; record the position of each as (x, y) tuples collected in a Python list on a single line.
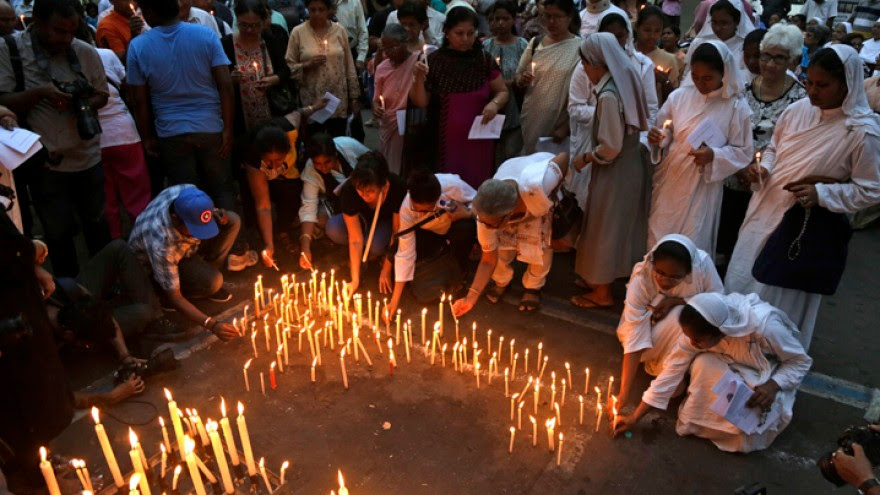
[(495, 293), (584, 301), (527, 306)]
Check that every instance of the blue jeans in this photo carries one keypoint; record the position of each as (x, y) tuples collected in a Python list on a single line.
[(194, 158), (338, 233)]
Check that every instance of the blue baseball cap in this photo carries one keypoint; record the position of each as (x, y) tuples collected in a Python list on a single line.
[(196, 210)]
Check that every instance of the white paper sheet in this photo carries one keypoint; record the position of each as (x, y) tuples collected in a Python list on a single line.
[(733, 394), (11, 159), (18, 139), (325, 113), (707, 133), (492, 130), (401, 122)]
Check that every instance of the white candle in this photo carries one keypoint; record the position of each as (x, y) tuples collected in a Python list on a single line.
[(534, 430), (136, 464), (48, 473), (586, 380), (175, 420), (342, 365), (247, 385), (177, 470), (264, 475), (581, 414), (506, 382), (227, 434), (559, 451), (245, 441), (193, 467), (109, 456), (342, 489), (165, 434), (512, 433), (220, 457), (284, 467), (133, 484)]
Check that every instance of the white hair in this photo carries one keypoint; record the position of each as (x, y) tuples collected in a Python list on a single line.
[(495, 198), (785, 36)]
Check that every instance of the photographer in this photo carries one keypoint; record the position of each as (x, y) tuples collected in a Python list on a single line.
[(56, 90), (856, 469)]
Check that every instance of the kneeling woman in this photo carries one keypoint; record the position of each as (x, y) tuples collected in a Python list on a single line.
[(672, 272), (732, 333), (370, 197), (331, 160)]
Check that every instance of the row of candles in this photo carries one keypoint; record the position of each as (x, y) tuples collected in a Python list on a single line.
[(465, 354)]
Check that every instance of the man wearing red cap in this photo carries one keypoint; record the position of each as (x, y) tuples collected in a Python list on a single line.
[(183, 240)]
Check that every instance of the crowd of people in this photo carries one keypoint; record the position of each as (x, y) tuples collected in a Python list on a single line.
[(183, 139)]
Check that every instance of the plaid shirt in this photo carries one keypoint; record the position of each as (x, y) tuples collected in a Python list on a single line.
[(157, 244)]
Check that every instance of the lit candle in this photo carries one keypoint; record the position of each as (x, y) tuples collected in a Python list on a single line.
[(500, 347), (424, 312), (109, 456), (598, 415), (515, 357), (342, 489), (581, 413), (506, 382), (568, 372), (550, 425), (245, 441), (278, 354), (164, 462), (193, 467), (559, 451), (586, 380), (48, 473), (175, 420), (136, 464), (610, 386), (87, 476), (614, 416), (220, 457), (512, 433), (254, 340), (488, 341), (512, 402), (537, 393), (552, 393), (440, 312), (177, 470), (164, 434), (519, 408), (512, 342), (534, 430), (525, 362), (442, 355), (314, 363), (558, 414), (564, 386), (272, 382), (264, 475), (540, 351), (477, 372), (262, 383), (424, 51), (284, 466), (342, 365), (133, 484), (200, 428), (227, 434), (247, 385)]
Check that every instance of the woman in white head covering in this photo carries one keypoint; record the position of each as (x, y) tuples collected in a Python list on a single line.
[(612, 235), (728, 343), (729, 24), (823, 154), (673, 271), (687, 183)]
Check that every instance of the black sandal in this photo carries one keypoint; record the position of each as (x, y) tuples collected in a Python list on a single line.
[(529, 305), (496, 292)]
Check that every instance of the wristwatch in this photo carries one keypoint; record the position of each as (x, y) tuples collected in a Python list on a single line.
[(867, 485)]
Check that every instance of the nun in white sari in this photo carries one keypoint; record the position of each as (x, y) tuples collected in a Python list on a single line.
[(673, 271), (734, 336), (687, 187), (820, 136), (733, 36)]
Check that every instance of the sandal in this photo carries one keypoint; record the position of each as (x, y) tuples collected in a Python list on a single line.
[(584, 301), (496, 292), (530, 301)]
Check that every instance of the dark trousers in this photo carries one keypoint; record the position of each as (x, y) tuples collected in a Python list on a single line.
[(200, 274), (461, 238), (61, 197), (734, 204), (287, 197), (114, 274), (194, 158)]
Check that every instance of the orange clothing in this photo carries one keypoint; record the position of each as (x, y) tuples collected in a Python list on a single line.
[(113, 33)]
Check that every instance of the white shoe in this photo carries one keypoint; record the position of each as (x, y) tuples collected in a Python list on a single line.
[(238, 262)]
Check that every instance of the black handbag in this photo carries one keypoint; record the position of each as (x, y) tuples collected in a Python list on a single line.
[(807, 251), (566, 214), (280, 97), (438, 273)]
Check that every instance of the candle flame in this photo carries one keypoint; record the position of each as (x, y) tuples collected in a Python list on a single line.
[(341, 479), (581, 399), (262, 463), (444, 348), (43, 454), (177, 469), (424, 311), (162, 447), (597, 390), (436, 326), (161, 422), (506, 371), (188, 445), (133, 482), (272, 366), (567, 366), (132, 438), (284, 465), (533, 420), (168, 395), (96, 415), (240, 408), (666, 123)]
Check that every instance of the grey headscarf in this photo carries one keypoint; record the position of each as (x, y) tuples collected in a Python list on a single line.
[(602, 49)]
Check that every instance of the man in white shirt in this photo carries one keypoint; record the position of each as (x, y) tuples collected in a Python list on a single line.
[(593, 13), (194, 15), (870, 52), (444, 200), (350, 15), (433, 34)]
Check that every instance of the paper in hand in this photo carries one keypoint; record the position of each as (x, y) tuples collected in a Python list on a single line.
[(733, 395), (16, 146), (492, 130), (325, 113), (707, 133)]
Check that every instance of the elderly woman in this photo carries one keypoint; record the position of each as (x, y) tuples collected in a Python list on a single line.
[(769, 94), (730, 339), (823, 154), (514, 217), (463, 82), (393, 80), (330, 162), (544, 74), (815, 38), (674, 271), (320, 59), (612, 235)]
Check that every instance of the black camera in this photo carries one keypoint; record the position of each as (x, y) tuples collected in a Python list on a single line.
[(862, 435), (159, 362), (87, 124)]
